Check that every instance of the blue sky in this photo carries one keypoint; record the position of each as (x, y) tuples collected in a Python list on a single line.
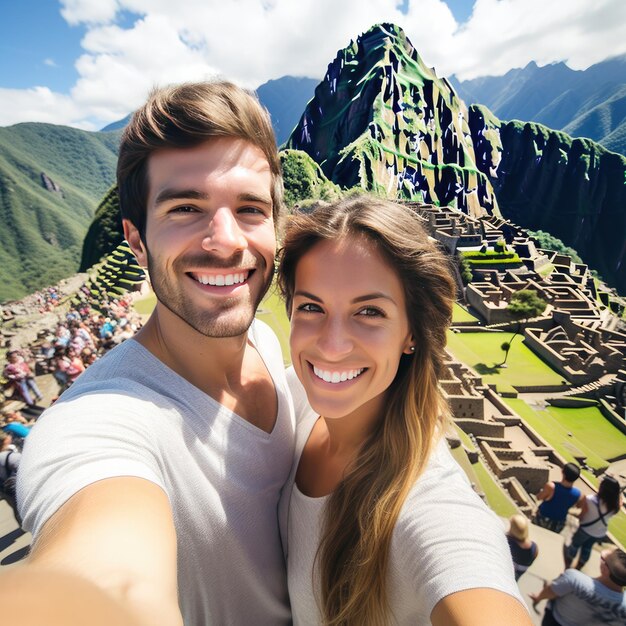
[(88, 62)]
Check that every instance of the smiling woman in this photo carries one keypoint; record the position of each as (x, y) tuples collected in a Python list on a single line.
[(381, 521)]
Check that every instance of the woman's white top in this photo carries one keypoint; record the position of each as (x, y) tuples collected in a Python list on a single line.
[(597, 528), (445, 540)]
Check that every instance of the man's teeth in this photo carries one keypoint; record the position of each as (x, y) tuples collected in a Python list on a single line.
[(337, 377), (220, 280)]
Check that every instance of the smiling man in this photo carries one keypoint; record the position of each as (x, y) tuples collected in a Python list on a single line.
[(155, 479)]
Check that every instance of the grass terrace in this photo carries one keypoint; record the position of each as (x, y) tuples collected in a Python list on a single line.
[(498, 500), (481, 350), (272, 312), (461, 314)]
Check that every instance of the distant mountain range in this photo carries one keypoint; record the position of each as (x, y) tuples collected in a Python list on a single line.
[(589, 103), (380, 120), (285, 99)]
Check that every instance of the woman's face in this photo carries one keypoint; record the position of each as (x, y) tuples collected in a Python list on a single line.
[(349, 327)]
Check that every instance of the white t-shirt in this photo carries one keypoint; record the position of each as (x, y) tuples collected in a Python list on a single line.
[(445, 540), (591, 522), (130, 415)]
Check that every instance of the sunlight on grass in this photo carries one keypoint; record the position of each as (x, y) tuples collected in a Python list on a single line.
[(498, 500), (592, 435), (481, 350), (461, 314)]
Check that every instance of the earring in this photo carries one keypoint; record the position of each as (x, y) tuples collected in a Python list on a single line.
[(412, 348)]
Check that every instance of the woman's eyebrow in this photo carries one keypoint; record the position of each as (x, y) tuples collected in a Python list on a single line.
[(307, 295), (373, 296)]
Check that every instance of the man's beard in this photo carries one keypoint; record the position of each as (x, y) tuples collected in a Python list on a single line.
[(223, 317)]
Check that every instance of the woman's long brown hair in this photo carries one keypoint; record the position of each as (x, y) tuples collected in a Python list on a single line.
[(353, 557)]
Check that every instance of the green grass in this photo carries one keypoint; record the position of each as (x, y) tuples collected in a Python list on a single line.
[(481, 350), (460, 314), (272, 312), (464, 437), (461, 458), (498, 500), (617, 526), (145, 306), (592, 434)]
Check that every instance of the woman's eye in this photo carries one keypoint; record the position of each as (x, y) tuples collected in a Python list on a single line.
[(308, 307), (370, 311)]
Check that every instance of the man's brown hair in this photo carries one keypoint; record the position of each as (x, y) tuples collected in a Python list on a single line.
[(184, 116)]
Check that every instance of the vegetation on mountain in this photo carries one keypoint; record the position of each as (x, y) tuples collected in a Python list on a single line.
[(51, 178), (304, 179), (546, 241), (383, 121), (589, 103), (105, 231), (572, 188)]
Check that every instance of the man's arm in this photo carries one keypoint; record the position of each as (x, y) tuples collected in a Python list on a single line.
[(116, 535), (479, 607), (547, 593), (547, 491)]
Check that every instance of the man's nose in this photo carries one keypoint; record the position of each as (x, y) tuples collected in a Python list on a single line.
[(224, 235)]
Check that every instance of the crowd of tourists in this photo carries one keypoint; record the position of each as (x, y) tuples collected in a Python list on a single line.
[(80, 337)]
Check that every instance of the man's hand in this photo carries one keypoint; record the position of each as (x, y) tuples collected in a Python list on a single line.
[(117, 538)]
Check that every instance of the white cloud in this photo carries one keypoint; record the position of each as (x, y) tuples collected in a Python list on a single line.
[(40, 104), (50, 62), (252, 41)]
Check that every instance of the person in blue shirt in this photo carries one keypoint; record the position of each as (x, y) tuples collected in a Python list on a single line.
[(557, 499)]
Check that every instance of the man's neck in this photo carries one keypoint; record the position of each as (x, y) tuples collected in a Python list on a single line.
[(607, 582), (209, 363)]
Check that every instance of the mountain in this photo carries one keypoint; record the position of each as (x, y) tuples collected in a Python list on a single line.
[(589, 103), (573, 188), (119, 125), (51, 179), (382, 120), (285, 99)]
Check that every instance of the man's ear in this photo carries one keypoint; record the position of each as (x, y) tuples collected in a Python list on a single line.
[(132, 236)]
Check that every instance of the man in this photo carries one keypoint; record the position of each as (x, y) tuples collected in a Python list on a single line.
[(156, 477), (557, 499), (579, 600)]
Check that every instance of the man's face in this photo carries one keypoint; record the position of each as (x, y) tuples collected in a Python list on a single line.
[(209, 240)]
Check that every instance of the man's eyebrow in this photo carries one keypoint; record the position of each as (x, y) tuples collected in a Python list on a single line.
[(167, 194), (253, 197)]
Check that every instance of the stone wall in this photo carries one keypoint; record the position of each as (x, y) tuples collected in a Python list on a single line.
[(479, 427)]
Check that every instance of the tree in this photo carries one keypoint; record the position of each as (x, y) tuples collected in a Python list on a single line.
[(524, 304)]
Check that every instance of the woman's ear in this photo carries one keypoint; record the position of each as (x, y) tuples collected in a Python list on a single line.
[(409, 348)]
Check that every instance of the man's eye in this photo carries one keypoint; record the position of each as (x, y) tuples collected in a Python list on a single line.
[(309, 307), (185, 208), (252, 210)]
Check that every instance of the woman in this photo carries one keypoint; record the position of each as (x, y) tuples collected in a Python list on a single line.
[(596, 511), (523, 550), (382, 525)]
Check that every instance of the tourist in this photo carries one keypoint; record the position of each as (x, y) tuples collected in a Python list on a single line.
[(596, 511), (18, 372), (557, 499), (576, 599), (9, 464), (154, 480), (523, 550), (383, 524)]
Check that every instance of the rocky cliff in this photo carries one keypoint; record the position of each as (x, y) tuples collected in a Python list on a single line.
[(572, 188), (382, 120)]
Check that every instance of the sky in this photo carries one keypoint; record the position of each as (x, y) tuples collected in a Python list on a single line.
[(87, 63)]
